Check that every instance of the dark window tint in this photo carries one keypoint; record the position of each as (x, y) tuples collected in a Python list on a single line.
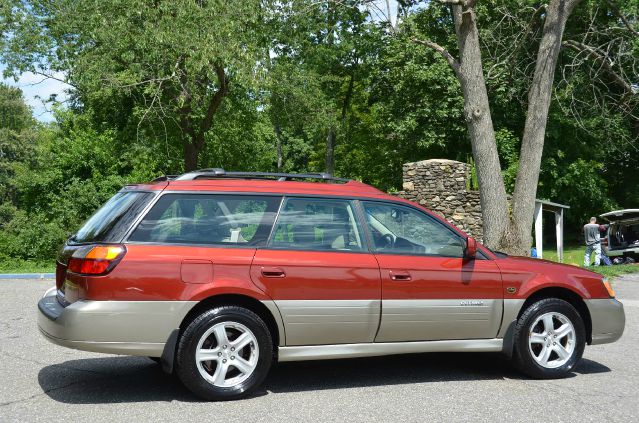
[(111, 221), (403, 230), (317, 224), (208, 219)]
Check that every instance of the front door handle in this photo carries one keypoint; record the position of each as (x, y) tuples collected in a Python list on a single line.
[(273, 272), (399, 275)]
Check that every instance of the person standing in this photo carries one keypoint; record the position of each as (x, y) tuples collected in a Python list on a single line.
[(593, 242)]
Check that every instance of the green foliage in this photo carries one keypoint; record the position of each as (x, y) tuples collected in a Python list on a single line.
[(163, 67), (75, 170), (472, 183), (144, 75)]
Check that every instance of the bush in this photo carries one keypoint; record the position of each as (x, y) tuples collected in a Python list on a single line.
[(75, 170)]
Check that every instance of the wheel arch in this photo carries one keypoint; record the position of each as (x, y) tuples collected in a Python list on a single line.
[(567, 295), (268, 313), (558, 292)]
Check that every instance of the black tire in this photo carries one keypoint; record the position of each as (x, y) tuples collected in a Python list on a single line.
[(186, 365), (523, 357)]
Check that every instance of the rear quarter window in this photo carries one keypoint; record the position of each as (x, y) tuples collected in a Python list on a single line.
[(111, 222)]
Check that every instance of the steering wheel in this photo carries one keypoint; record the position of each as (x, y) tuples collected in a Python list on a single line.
[(386, 241)]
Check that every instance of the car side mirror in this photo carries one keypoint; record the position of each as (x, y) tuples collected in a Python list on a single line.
[(471, 249)]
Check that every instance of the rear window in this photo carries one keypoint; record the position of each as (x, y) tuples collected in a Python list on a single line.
[(208, 219), (113, 219)]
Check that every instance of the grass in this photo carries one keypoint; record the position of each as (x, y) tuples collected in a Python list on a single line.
[(27, 266), (574, 255)]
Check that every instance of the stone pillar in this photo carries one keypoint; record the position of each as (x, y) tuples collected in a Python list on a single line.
[(440, 186)]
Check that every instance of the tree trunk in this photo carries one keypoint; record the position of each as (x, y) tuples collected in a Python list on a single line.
[(500, 231), (193, 133), (191, 154), (519, 237), (469, 71), (280, 157), (330, 137), (330, 150)]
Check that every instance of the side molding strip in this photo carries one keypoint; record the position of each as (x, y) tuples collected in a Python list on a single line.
[(328, 352)]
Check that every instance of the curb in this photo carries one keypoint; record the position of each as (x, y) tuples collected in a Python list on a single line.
[(27, 275)]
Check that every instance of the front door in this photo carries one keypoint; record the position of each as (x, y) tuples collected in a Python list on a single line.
[(429, 291), (325, 283)]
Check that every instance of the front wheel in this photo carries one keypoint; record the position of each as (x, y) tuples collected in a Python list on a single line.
[(225, 353), (550, 338)]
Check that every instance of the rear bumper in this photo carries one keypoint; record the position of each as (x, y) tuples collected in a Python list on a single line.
[(115, 327), (623, 251), (608, 320)]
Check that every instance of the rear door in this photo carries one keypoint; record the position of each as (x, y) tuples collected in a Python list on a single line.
[(317, 270), (429, 291)]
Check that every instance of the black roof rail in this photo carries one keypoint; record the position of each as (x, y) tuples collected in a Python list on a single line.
[(221, 173)]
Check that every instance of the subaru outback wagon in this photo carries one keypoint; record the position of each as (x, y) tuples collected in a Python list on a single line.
[(217, 275)]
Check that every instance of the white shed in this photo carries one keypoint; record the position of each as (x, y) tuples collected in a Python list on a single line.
[(558, 209)]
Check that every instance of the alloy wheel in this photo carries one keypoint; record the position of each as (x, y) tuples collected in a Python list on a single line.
[(227, 354), (552, 340)]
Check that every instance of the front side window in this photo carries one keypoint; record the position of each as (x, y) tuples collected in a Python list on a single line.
[(403, 230), (208, 219), (317, 224)]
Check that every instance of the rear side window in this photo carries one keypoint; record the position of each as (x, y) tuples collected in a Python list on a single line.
[(113, 219), (317, 224), (208, 219)]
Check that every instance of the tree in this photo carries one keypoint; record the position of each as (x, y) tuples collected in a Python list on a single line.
[(502, 229), (175, 60), (319, 50), (17, 138)]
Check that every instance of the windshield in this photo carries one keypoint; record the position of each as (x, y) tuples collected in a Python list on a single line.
[(111, 221)]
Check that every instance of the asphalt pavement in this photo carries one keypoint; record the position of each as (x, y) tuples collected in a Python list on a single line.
[(40, 381)]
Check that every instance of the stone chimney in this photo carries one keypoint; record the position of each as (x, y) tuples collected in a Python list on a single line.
[(440, 186)]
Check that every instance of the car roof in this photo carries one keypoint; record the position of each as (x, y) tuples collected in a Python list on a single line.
[(347, 189)]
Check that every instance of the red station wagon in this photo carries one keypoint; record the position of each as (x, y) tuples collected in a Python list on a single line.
[(219, 274)]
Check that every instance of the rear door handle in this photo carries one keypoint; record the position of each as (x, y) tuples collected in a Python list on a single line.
[(399, 275), (273, 272)]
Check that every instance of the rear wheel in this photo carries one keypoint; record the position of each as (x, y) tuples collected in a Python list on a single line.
[(225, 353), (550, 338)]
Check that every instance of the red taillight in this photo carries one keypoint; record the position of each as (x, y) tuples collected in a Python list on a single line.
[(96, 260)]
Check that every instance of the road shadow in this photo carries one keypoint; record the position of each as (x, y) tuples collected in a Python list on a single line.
[(138, 379)]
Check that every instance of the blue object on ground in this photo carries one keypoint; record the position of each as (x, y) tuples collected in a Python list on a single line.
[(533, 252), (27, 275)]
